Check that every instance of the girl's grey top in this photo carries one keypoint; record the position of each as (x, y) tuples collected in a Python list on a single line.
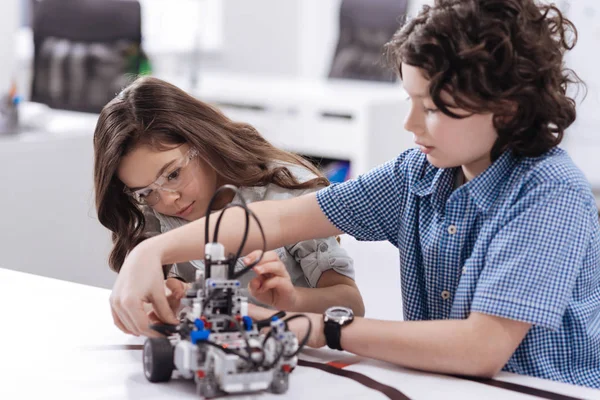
[(305, 261)]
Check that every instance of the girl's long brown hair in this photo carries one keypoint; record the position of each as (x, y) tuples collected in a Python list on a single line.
[(157, 114)]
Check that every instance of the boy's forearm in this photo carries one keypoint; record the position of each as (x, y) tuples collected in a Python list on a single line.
[(317, 300), (283, 222), (187, 242), (444, 346)]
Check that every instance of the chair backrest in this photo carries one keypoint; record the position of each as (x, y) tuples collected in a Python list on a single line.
[(365, 26), (84, 51)]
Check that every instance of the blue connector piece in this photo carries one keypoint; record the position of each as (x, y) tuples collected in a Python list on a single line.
[(247, 323), (199, 336)]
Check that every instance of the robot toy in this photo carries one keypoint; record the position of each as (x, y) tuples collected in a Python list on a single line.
[(216, 343)]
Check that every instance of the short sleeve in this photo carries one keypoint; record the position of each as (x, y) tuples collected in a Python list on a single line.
[(185, 271), (369, 207), (319, 255), (533, 262)]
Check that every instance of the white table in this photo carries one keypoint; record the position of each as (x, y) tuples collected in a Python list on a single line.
[(58, 341)]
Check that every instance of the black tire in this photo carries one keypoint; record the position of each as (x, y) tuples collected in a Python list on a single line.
[(158, 359)]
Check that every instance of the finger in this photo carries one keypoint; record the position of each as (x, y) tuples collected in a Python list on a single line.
[(273, 283), (177, 287), (250, 258), (118, 322), (276, 268), (153, 318), (162, 309), (134, 316), (120, 310), (267, 257), (255, 284), (174, 303)]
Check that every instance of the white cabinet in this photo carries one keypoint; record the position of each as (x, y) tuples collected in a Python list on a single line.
[(355, 121)]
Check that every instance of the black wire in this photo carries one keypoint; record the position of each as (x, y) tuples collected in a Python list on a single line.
[(210, 204), (306, 337), (249, 214), (228, 206), (244, 238), (264, 249), (263, 323)]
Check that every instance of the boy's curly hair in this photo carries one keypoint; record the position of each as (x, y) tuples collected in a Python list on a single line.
[(498, 56)]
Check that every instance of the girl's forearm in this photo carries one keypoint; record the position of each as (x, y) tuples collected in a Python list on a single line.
[(317, 300)]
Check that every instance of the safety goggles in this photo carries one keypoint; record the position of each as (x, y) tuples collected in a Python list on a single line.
[(178, 176)]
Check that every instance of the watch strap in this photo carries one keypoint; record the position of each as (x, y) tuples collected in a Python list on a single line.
[(333, 333)]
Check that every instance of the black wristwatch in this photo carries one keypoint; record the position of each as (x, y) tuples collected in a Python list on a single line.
[(335, 318)]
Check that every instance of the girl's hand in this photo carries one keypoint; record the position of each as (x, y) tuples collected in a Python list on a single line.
[(273, 285), (298, 325), (175, 290), (140, 281)]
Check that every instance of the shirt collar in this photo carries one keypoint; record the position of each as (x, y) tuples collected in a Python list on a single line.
[(437, 183), (483, 189)]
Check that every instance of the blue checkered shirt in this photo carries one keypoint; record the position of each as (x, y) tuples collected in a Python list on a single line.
[(520, 241)]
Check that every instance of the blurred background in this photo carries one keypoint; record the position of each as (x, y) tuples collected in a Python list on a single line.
[(306, 73)]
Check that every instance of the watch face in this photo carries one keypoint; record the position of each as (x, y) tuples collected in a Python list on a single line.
[(339, 314)]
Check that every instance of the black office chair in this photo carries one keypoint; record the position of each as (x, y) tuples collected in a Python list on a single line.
[(365, 26), (85, 51)]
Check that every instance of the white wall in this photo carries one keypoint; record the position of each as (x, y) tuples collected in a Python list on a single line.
[(260, 37), (48, 222), (582, 140), (318, 38)]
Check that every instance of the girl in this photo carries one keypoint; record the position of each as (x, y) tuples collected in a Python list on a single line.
[(496, 228), (160, 154)]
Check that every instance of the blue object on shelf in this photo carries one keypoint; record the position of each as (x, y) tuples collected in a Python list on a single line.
[(337, 171)]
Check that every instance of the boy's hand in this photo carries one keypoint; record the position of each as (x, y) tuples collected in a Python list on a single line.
[(175, 290), (273, 285)]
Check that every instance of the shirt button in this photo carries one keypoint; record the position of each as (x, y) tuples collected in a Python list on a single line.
[(323, 247), (452, 229), (464, 269), (445, 295)]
